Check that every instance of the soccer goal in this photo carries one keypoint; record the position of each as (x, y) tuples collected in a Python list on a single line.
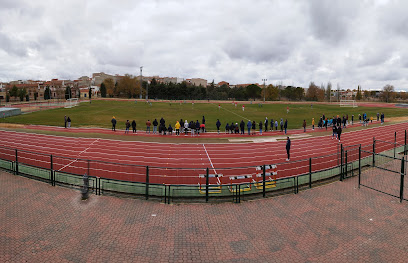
[(348, 103), (71, 103)]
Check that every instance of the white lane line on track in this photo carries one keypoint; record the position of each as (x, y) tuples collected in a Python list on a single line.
[(79, 155), (215, 172)]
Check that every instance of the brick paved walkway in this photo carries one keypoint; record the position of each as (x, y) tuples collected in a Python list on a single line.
[(332, 223)]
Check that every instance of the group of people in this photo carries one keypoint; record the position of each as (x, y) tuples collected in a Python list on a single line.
[(67, 121), (251, 126), (194, 127)]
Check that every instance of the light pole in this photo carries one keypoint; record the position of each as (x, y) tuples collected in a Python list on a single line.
[(141, 81), (264, 88)]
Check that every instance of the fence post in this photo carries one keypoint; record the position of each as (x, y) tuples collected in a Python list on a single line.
[(359, 166), (310, 172), (395, 142), (88, 168), (341, 163), (239, 193), (402, 179), (373, 151), (345, 166), (207, 180), (16, 162), (147, 182), (168, 200), (52, 171), (263, 183)]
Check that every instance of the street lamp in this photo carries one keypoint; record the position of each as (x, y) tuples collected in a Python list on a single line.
[(141, 81), (264, 88)]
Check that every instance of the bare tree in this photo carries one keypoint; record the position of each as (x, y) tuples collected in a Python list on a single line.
[(388, 93)]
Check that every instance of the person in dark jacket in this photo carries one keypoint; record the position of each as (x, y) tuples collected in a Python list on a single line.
[(197, 124), (113, 121), (260, 127), (134, 126), (170, 129), (339, 132), (281, 125), (304, 125), (218, 124), (203, 120), (253, 127), (285, 126), (232, 127), (155, 123), (288, 148), (236, 128), (266, 124), (242, 126), (192, 127), (272, 124), (65, 120), (227, 128), (334, 131), (69, 122)]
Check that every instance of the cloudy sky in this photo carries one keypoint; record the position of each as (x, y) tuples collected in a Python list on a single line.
[(292, 42)]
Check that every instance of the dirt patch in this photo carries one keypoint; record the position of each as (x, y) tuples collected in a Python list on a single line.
[(11, 125), (399, 119)]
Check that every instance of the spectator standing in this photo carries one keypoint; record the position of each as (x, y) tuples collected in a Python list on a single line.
[(218, 124), (281, 125), (177, 127), (155, 123), (134, 126), (272, 123), (260, 127), (378, 116), (253, 127), (148, 124), (266, 124), (276, 125), (185, 128), (242, 126), (304, 126), (197, 125), (285, 126), (69, 122), (313, 123), (127, 125), (170, 130), (249, 125), (334, 132), (288, 148), (65, 120), (113, 121), (352, 119), (382, 118), (227, 128), (359, 118)]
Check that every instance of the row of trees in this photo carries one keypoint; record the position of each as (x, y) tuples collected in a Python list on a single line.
[(18, 93), (129, 87)]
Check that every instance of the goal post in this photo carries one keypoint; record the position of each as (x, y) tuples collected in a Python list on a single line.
[(348, 103), (71, 103)]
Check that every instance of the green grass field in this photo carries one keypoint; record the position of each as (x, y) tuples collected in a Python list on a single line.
[(100, 112)]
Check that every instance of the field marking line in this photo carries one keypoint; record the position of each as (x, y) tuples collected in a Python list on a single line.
[(233, 113), (212, 165), (79, 155)]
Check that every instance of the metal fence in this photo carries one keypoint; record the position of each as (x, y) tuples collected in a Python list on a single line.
[(171, 184)]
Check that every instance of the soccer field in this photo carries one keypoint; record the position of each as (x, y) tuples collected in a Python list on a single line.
[(100, 112)]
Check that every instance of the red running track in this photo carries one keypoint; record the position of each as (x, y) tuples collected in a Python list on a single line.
[(165, 160)]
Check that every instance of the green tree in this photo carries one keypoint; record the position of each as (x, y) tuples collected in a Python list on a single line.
[(22, 93), (67, 92), (359, 96), (47, 93), (103, 90), (328, 90), (14, 92), (35, 95), (109, 87), (272, 92), (27, 97), (253, 91), (8, 97)]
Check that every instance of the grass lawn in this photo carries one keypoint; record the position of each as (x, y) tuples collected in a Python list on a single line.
[(100, 112)]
